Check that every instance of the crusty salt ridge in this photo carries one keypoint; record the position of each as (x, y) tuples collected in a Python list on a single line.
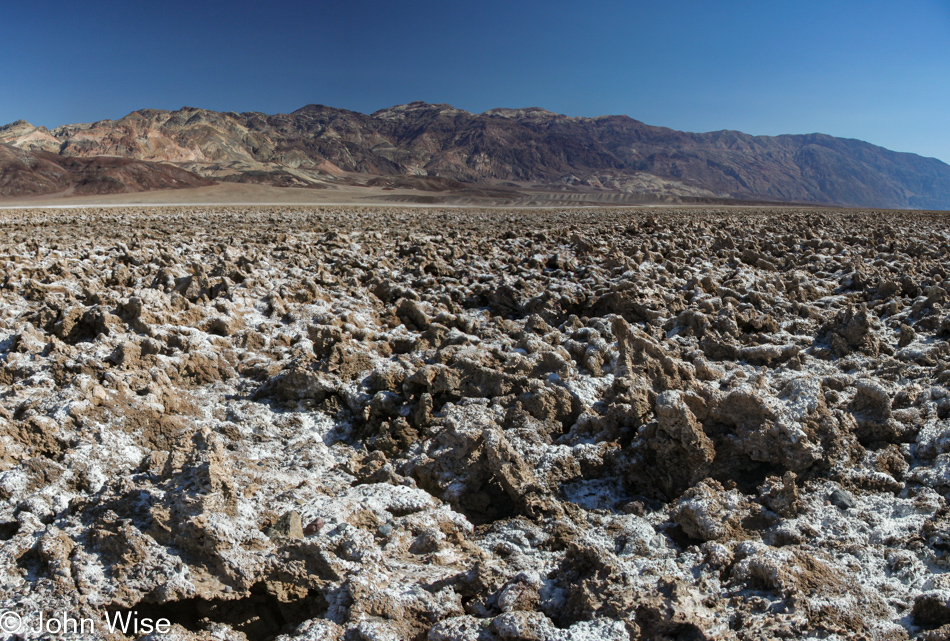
[(477, 425)]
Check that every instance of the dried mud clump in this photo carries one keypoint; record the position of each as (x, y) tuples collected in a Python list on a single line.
[(478, 425)]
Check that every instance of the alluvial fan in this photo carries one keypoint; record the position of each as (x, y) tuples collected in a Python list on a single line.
[(392, 424)]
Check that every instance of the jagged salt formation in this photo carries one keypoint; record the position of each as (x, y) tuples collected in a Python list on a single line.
[(465, 425)]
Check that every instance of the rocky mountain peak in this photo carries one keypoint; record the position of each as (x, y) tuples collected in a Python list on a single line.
[(527, 112), (24, 135), (19, 124), (416, 108)]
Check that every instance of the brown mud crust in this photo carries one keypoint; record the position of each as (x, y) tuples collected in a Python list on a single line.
[(477, 425)]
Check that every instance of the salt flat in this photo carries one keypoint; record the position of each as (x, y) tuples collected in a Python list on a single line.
[(379, 422)]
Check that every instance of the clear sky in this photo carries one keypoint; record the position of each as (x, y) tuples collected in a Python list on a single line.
[(870, 69)]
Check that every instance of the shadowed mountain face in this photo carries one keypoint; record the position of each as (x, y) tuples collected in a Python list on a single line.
[(34, 173), (317, 145)]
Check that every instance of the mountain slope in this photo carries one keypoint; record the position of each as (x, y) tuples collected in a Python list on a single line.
[(317, 145), (33, 173), (24, 135)]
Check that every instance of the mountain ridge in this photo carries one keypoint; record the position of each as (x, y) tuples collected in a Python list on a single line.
[(319, 146)]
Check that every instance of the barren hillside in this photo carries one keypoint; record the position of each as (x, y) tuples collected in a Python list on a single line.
[(318, 146)]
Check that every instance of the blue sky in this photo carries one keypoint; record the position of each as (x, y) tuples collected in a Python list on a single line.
[(873, 70)]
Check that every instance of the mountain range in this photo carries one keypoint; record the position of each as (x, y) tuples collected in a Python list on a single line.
[(436, 147)]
